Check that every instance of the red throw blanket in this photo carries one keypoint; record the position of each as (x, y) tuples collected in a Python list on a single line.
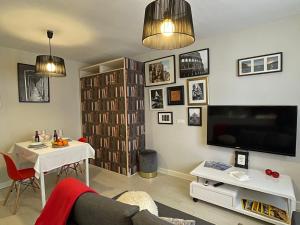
[(61, 201)]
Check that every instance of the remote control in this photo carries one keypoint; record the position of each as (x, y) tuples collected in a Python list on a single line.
[(205, 183), (218, 184)]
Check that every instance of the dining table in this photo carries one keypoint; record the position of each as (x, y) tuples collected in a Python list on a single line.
[(48, 158)]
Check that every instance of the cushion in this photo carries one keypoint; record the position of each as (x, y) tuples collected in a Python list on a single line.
[(146, 218), (93, 209), (141, 199), (179, 221)]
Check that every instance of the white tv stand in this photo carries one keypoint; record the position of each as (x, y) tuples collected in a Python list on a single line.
[(260, 187)]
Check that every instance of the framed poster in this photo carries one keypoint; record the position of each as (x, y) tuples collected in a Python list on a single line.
[(262, 64), (194, 116), (194, 63), (32, 88), (165, 117), (156, 97), (175, 95), (160, 71), (197, 91)]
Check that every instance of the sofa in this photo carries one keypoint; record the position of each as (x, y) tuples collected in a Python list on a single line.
[(93, 209)]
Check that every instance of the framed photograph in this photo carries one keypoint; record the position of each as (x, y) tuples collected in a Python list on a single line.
[(262, 64), (32, 88), (197, 91), (165, 117), (241, 159), (160, 71), (195, 116), (194, 63), (175, 95), (156, 99)]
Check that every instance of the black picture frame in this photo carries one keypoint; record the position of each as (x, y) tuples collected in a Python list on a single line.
[(160, 62), (202, 69), (157, 98), (32, 88), (247, 67), (175, 95), (194, 120), (241, 159), (161, 120)]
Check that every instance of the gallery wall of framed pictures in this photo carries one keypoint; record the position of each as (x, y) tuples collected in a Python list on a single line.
[(194, 67)]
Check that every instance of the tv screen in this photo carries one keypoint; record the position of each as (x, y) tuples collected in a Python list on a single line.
[(270, 129)]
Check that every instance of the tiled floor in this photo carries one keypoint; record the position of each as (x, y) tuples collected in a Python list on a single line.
[(165, 189)]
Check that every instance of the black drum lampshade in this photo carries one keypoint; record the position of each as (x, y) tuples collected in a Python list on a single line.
[(52, 66), (48, 65), (168, 24)]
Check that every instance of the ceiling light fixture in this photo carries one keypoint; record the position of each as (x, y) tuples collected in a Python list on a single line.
[(168, 24), (49, 65)]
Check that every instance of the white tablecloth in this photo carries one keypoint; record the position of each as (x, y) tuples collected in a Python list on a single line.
[(49, 158)]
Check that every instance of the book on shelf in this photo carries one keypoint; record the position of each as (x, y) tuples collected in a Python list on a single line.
[(265, 210)]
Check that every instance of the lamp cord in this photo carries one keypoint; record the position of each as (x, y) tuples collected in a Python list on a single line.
[(50, 47)]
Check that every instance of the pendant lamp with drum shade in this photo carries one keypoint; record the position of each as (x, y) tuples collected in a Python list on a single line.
[(49, 65), (168, 24)]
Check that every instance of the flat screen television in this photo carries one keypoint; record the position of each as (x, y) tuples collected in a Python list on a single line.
[(271, 129)]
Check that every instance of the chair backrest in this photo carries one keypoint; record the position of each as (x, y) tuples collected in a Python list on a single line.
[(83, 139), (12, 170)]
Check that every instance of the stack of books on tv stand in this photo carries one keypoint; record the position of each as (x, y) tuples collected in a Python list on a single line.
[(221, 188)]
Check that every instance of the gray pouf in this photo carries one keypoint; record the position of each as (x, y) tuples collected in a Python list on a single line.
[(148, 163)]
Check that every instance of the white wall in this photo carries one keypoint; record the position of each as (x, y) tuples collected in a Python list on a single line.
[(181, 147), (18, 121)]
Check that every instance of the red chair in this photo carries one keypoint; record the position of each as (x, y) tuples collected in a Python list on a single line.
[(19, 177), (73, 166)]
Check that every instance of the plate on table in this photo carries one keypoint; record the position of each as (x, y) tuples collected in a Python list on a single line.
[(67, 139), (59, 146), (35, 144)]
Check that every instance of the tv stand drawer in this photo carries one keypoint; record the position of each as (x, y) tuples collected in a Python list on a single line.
[(223, 195)]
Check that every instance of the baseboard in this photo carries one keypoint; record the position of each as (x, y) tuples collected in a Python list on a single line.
[(298, 206), (177, 174), (5, 184)]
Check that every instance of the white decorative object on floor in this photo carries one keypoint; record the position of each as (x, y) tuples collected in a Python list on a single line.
[(278, 192), (141, 199), (47, 159)]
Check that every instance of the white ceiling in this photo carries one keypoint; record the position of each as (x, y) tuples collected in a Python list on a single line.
[(95, 30)]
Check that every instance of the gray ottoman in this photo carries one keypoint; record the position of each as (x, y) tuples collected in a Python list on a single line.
[(296, 218), (148, 163)]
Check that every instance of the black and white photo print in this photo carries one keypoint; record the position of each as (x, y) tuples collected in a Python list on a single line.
[(32, 88), (156, 99)]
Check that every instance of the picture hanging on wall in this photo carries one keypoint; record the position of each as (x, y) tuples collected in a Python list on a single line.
[(160, 71), (175, 95), (197, 91), (32, 88), (262, 64), (194, 116), (156, 99), (165, 117), (194, 63)]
